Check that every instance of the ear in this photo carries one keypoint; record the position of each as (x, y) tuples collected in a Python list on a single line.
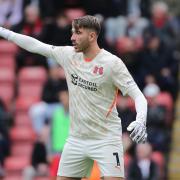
[(92, 36)]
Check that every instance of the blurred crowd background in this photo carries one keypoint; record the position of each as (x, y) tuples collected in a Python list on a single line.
[(34, 117)]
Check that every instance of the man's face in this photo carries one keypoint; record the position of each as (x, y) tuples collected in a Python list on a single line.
[(80, 39)]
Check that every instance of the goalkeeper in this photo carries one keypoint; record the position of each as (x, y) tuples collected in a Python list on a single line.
[(93, 76)]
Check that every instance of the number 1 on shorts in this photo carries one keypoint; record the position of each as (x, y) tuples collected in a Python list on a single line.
[(117, 158)]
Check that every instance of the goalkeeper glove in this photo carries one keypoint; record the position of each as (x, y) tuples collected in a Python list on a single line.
[(5, 33), (138, 134)]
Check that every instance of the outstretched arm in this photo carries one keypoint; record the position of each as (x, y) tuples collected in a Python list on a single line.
[(28, 43)]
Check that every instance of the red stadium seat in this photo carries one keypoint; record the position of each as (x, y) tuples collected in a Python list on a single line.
[(19, 134), (24, 103), (7, 94), (158, 158), (127, 160), (164, 98), (22, 120), (31, 80), (15, 164), (7, 75), (7, 47), (30, 90), (124, 45), (42, 178), (131, 103), (16, 149), (13, 177), (7, 61), (7, 82), (32, 75), (139, 43), (127, 101)]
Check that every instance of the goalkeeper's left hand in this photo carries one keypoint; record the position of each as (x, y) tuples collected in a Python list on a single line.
[(138, 134)]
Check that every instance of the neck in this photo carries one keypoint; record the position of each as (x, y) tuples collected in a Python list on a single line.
[(91, 51)]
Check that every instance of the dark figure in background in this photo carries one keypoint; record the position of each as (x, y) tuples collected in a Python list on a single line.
[(115, 7), (54, 7), (164, 23), (31, 26), (39, 164), (53, 85), (43, 110), (4, 136), (45, 12), (157, 119), (125, 112), (158, 59), (58, 32), (142, 167)]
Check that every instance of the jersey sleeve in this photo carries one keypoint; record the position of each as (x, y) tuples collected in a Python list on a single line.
[(121, 77), (61, 54), (58, 53)]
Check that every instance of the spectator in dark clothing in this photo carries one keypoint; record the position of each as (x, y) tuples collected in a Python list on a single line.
[(39, 163), (125, 112), (39, 154), (45, 13), (4, 137), (58, 32), (159, 60), (163, 24), (52, 86), (106, 8), (159, 138), (157, 55), (31, 26), (54, 7), (43, 110), (145, 8), (101, 39), (142, 167), (115, 7), (157, 127), (157, 113)]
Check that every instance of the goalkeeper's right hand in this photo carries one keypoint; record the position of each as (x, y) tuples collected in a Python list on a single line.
[(5, 33)]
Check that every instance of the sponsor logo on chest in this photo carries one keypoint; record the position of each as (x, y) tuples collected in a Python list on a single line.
[(85, 84)]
